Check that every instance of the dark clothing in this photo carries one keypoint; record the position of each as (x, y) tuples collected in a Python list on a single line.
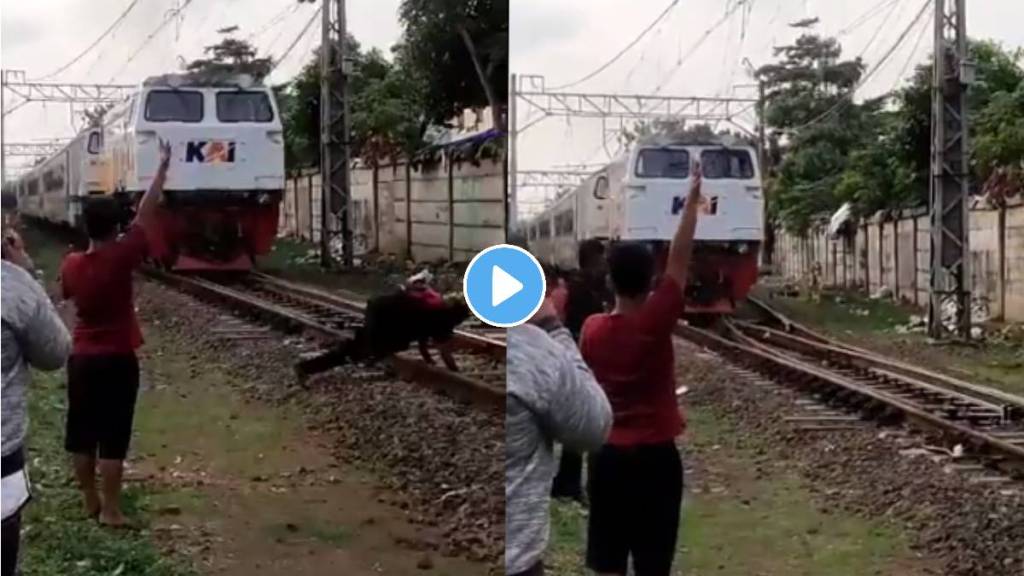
[(568, 482), (633, 358), (588, 295), (100, 285), (394, 321), (635, 495), (101, 404), (11, 540)]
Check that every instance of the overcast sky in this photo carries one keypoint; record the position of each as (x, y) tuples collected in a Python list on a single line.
[(565, 39), (42, 35)]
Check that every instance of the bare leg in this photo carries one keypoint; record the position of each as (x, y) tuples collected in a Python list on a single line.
[(85, 472), (111, 472)]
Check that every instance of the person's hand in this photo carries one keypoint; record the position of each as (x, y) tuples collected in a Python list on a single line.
[(696, 180), (546, 313), (165, 154), (14, 250)]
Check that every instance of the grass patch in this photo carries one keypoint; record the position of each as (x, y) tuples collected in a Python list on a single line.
[(297, 260), (848, 313), (740, 524), (58, 539)]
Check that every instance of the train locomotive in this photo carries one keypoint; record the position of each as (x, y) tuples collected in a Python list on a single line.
[(639, 196), (221, 197)]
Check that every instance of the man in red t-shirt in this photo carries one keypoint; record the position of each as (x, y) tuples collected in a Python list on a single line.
[(103, 372), (636, 485)]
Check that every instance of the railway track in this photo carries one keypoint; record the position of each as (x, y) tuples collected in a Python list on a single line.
[(328, 318), (986, 422)]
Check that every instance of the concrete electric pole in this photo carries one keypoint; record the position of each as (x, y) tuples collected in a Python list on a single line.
[(335, 188), (950, 280)]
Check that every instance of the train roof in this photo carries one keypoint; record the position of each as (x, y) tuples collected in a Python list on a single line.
[(727, 140), (202, 80)]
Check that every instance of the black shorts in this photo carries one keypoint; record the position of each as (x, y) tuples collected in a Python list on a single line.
[(635, 495), (101, 404)]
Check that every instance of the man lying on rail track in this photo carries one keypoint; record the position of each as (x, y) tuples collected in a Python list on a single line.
[(393, 321), (636, 485), (103, 371)]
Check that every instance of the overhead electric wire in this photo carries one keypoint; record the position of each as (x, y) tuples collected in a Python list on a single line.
[(693, 49), (913, 51), (622, 52), (275, 20), (847, 98), (878, 30), (167, 20), (301, 35), (124, 14), (864, 18)]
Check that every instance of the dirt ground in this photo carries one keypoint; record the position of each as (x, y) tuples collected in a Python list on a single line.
[(236, 469), (249, 490)]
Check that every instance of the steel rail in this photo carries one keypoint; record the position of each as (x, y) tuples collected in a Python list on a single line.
[(797, 335), (466, 339), (462, 386), (804, 375)]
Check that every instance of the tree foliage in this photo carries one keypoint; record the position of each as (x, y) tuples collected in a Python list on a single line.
[(232, 56), (440, 42), (680, 131), (875, 154), (385, 118)]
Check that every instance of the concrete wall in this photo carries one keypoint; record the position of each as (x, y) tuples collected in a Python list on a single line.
[(896, 253), (444, 211)]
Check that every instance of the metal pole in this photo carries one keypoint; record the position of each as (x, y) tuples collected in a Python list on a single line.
[(3, 126), (325, 131), (762, 152), (334, 133), (512, 217), (950, 173)]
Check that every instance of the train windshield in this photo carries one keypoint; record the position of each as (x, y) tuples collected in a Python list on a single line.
[(663, 163), (244, 107), (174, 106), (724, 163)]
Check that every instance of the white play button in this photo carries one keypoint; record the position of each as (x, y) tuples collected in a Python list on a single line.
[(503, 286)]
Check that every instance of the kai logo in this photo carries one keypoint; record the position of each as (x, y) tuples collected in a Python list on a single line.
[(707, 205), (210, 152)]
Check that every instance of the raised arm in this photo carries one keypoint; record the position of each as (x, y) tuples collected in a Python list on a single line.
[(151, 199), (681, 249)]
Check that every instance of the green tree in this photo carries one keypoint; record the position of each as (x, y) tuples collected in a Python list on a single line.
[(385, 109), (458, 50), (232, 56), (810, 110)]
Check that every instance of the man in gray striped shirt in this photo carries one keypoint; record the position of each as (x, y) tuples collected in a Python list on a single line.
[(551, 397), (33, 335)]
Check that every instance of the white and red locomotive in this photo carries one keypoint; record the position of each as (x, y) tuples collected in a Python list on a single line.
[(639, 197)]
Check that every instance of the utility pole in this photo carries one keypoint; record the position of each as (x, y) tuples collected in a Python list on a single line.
[(3, 126), (762, 159), (952, 72), (512, 217), (335, 189)]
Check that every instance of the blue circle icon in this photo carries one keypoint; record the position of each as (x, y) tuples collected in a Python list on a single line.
[(504, 285)]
